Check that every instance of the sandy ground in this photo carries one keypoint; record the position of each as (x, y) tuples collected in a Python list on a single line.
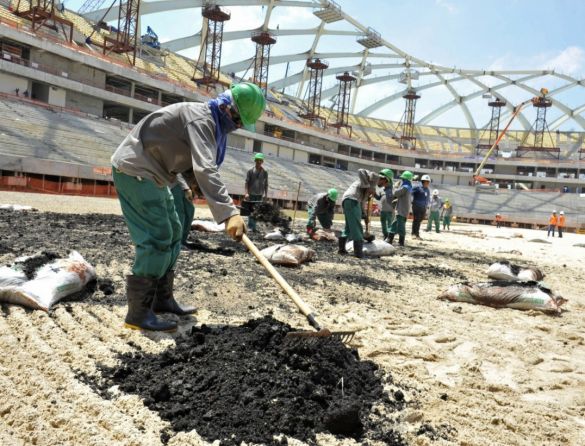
[(480, 375)]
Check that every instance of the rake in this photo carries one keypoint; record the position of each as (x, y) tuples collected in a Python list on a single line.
[(310, 337)]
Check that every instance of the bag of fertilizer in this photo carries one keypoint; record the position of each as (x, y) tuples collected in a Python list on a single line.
[(518, 295), (323, 235), (48, 283), (207, 226), (505, 270), (375, 248), (289, 255)]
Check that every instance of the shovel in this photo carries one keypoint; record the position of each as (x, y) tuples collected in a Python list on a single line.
[(367, 236), (303, 336)]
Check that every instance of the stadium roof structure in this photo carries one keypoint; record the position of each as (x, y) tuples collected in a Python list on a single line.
[(384, 72)]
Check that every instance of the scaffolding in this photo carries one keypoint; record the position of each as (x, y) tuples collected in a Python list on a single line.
[(42, 13), (493, 128), (539, 128), (313, 102), (343, 101), (211, 43), (263, 41), (407, 137), (330, 12), (126, 36)]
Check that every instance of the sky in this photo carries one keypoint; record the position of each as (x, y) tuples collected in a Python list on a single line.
[(470, 34)]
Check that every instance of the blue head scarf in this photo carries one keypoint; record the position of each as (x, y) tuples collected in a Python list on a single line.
[(223, 123)]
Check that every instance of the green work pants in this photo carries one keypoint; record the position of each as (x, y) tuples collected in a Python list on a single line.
[(434, 217), (324, 218), (447, 222), (251, 221), (153, 224), (398, 226), (185, 210), (352, 211), (386, 218)]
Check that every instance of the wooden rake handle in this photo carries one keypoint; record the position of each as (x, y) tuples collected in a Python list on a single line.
[(298, 301)]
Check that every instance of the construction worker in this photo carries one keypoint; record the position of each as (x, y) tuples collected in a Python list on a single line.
[(402, 193), (354, 201), (552, 223), (446, 214), (187, 138), (385, 198), (183, 198), (499, 219), (421, 197), (561, 223), (435, 207), (321, 206), (256, 186)]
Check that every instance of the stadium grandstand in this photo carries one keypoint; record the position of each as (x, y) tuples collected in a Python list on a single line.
[(73, 82)]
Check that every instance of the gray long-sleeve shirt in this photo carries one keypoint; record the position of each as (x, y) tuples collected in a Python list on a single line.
[(385, 199), (436, 204), (321, 204), (358, 190), (402, 193), (257, 182), (179, 138)]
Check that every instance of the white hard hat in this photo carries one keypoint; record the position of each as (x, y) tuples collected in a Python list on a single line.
[(425, 178), (554, 211), (436, 192), (562, 212)]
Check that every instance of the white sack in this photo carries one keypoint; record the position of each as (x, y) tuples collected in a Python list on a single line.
[(375, 248), (207, 226), (289, 255), (51, 283), (323, 235), (507, 271)]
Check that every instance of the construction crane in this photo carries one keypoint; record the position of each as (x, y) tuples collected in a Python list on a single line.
[(150, 39)]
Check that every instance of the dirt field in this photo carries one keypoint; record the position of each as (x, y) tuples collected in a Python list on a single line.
[(470, 375)]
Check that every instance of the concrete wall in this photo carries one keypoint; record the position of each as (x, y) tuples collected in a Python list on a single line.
[(300, 156), (86, 104), (56, 96), (72, 70), (8, 84), (269, 149), (286, 153)]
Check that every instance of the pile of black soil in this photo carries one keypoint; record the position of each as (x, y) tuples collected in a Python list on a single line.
[(247, 384), (271, 213)]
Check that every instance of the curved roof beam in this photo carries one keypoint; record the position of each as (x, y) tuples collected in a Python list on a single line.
[(461, 101), (293, 79), (276, 60), (561, 119), (173, 5), (194, 40), (560, 105)]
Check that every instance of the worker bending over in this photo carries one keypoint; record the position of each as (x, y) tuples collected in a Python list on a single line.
[(187, 138), (354, 202), (321, 206)]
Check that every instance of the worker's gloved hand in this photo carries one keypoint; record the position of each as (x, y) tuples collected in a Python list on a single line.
[(189, 195), (235, 227)]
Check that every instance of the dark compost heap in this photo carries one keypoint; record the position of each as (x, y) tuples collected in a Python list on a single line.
[(244, 384)]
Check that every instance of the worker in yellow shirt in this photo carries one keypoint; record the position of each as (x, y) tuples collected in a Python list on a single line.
[(561, 223), (552, 223)]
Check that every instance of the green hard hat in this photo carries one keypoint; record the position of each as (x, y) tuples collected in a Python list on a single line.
[(387, 173), (259, 156), (249, 101), (332, 194), (406, 175)]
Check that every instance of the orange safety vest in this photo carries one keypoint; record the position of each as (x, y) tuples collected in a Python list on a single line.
[(553, 220), (498, 218), (561, 221)]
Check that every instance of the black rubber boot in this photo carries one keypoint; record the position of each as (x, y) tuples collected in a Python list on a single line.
[(342, 242), (140, 292), (401, 240), (358, 249), (390, 238), (164, 301)]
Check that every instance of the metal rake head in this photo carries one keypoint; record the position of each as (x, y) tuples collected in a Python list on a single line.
[(323, 335)]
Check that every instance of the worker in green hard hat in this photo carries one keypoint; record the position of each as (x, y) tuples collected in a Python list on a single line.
[(385, 199), (256, 187), (402, 198), (187, 138), (321, 206)]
